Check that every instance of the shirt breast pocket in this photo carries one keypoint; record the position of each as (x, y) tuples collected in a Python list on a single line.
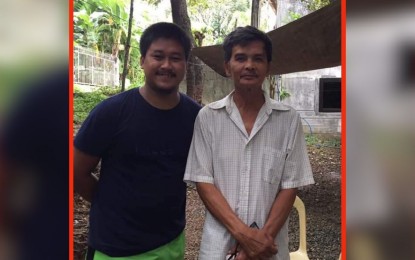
[(274, 162)]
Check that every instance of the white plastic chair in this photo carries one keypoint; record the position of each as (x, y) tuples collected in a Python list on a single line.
[(301, 253)]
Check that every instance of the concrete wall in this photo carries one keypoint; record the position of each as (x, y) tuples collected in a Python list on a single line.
[(215, 86), (304, 90)]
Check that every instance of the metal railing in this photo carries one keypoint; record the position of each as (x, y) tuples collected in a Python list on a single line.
[(94, 68)]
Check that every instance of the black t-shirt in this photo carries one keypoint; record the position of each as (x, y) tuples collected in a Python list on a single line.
[(140, 201)]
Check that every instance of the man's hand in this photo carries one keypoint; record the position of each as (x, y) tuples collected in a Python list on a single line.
[(256, 244)]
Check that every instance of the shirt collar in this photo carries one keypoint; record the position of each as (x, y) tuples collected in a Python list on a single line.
[(228, 103)]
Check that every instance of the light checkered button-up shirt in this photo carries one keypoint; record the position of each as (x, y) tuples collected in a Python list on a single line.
[(249, 170)]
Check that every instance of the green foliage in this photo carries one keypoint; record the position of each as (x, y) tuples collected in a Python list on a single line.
[(293, 16), (321, 140), (284, 94), (139, 78), (332, 142), (310, 6), (312, 139), (135, 73), (154, 2), (84, 102), (217, 18), (102, 25), (108, 91), (314, 5)]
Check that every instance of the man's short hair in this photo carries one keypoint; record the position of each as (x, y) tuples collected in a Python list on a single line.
[(243, 36), (165, 31)]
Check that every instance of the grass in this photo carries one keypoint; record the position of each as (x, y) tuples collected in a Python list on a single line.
[(320, 140)]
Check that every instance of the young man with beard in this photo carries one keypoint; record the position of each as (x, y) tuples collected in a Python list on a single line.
[(247, 158), (142, 137)]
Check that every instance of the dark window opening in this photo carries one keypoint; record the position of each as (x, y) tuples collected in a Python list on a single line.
[(330, 95), (407, 66)]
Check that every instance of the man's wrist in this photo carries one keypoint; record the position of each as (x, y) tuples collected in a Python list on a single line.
[(270, 231), (239, 232)]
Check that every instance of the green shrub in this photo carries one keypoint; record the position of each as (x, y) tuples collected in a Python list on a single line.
[(109, 91), (312, 139), (320, 140), (84, 102)]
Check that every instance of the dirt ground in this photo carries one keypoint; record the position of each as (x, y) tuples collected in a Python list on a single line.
[(321, 200)]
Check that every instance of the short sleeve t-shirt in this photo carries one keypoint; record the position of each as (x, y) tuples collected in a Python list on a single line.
[(140, 201)]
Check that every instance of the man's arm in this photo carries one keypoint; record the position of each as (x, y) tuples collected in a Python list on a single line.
[(257, 244), (219, 207), (84, 182), (280, 210)]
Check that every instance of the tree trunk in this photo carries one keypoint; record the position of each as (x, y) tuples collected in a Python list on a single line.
[(194, 76), (255, 13), (127, 46), (277, 77), (116, 45)]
